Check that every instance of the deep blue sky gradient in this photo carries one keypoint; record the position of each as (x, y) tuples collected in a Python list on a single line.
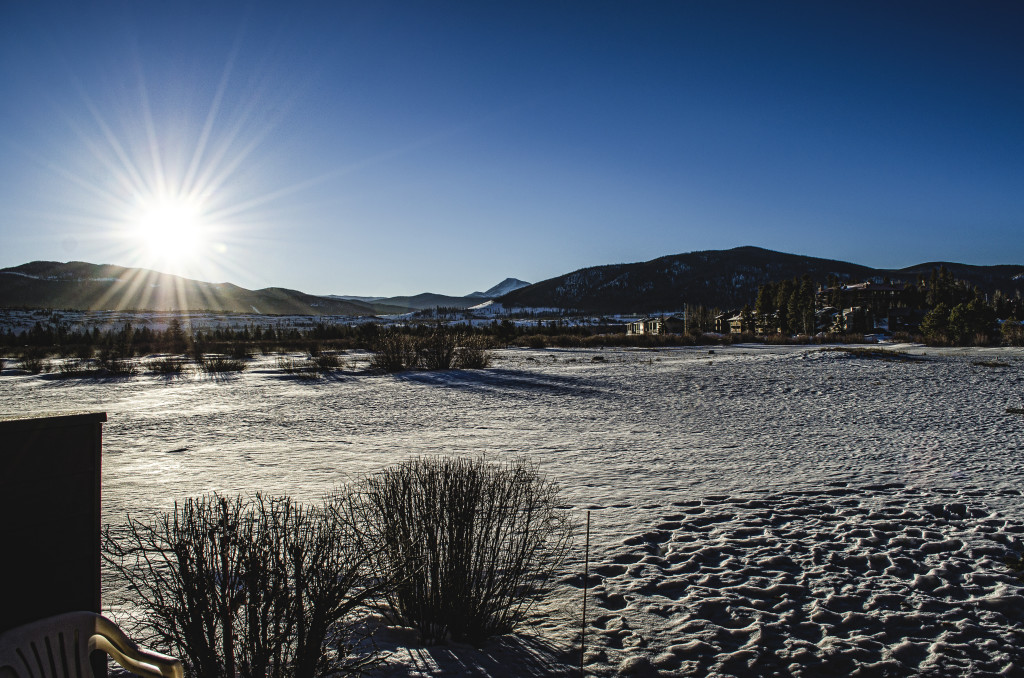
[(397, 147)]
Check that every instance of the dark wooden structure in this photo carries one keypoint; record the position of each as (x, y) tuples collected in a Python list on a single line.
[(49, 516)]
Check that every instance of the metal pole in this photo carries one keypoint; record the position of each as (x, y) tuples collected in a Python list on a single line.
[(586, 573)]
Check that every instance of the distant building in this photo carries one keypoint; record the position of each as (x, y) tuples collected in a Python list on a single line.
[(672, 324), (740, 324), (675, 324), (645, 326), (875, 296), (853, 320)]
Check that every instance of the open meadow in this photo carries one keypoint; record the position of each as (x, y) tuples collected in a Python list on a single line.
[(755, 510)]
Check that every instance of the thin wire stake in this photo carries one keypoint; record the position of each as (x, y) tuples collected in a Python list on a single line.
[(586, 574)]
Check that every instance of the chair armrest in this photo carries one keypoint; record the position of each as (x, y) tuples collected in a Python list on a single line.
[(140, 661)]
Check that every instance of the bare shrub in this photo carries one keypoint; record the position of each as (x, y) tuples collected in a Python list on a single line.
[(302, 370), (220, 364), (326, 361), (393, 351), (116, 361), (470, 545), (437, 350), (536, 341), (257, 586), (34, 362), (120, 367), (167, 366), (240, 350), (472, 354), (75, 368)]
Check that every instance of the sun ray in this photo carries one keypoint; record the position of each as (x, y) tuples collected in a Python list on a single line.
[(211, 116), (174, 190)]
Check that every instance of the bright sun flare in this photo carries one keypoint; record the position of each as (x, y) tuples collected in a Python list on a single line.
[(171, 230)]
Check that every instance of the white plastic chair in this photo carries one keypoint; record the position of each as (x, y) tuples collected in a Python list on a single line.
[(59, 647)]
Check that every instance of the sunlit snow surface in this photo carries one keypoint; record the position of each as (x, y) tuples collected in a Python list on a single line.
[(649, 441)]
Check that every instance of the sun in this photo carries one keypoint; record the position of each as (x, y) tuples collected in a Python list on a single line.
[(171, 230)]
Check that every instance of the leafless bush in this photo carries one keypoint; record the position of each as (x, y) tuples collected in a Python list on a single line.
[(313, 368), (326, 361), (75, 368), (240, 350), (246, 586), (393, 351), (536, 341), (221, 364), (472, 354), (167, 366), (120, 367), (34, 362), (302, 370), (470, 545), (437, 350)]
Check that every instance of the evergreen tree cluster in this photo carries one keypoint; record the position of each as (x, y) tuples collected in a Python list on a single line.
[(954, 311), (786, 307)]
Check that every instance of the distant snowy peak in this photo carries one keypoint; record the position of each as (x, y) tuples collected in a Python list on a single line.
[(504, 287)]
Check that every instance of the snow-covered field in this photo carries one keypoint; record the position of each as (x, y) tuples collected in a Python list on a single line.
[(755, 510)]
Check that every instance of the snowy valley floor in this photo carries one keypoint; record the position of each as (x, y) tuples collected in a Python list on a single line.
[(755, 510)]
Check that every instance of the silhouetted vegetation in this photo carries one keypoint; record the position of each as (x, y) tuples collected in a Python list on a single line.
[(254, 586), (471, 546), (167, 365), (247, 586), (33, 361), (219, 364)]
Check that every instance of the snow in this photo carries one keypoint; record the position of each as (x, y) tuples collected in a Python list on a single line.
[(19, 320), (504, 287), (496, 308), (756, 510)]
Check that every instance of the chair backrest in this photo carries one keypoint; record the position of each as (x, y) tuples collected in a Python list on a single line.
[(54, 647), (59, 647)]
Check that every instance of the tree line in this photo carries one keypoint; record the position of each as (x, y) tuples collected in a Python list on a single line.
[(951, 311)]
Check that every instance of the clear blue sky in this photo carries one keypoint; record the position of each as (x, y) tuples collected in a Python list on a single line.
[(388, 148)]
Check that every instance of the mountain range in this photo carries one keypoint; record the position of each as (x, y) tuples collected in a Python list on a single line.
[(430, 300), (715, 278), (83, 286), (725, 279)]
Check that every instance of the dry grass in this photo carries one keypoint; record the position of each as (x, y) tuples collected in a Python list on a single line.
[(989, 363)]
